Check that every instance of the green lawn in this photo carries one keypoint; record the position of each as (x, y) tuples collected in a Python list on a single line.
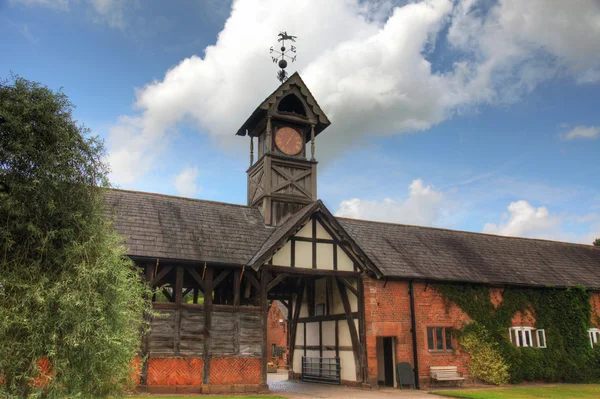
[(543, 392)]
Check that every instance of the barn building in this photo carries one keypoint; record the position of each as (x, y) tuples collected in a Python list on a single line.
[(359, 295)]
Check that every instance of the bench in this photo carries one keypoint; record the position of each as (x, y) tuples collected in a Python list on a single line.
[(445, 373)]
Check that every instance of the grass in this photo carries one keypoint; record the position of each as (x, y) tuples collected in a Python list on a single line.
[(542, 392)]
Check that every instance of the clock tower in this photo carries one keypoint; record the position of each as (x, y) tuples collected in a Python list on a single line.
[(284, 177)]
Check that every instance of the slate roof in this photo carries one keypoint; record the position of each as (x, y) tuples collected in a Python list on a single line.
[(166, 227), (162, 226), (448, 255)]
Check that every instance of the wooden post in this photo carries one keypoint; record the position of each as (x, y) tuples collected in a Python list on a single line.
[(362, 329), (236, 315), (208, 291), (178, 296), (144, 371), (312, 142), (251, 150), (263, 320), (351, 327), (269, 132), (294, 321)]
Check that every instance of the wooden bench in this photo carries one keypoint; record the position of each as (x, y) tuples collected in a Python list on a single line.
[(445, 373)]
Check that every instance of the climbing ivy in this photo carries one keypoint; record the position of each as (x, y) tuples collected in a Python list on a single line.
[(564, 314)]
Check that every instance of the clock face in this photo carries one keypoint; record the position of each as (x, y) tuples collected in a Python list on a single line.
[(288, 141)]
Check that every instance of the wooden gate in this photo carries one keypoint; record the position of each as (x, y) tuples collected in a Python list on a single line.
[(325, 370)]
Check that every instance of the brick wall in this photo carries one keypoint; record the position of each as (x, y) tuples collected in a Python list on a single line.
[(595, 301), (387, 314), (276, 332)]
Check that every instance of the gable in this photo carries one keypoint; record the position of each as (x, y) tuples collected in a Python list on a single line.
[(313, 247)]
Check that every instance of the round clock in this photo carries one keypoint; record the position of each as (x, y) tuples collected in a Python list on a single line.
[(288, 140)]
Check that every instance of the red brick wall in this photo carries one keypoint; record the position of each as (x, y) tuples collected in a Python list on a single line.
[(595, 301), (387, 314), (276, 333)]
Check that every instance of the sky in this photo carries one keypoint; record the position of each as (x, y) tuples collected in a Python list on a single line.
[(478, 115)]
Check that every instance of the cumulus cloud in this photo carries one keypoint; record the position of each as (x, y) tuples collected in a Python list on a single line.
[(582, 132), (423, 207), (57, 4), (525, 220), (367, 64), (186, 182)]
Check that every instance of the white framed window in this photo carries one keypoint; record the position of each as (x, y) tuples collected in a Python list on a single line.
[(594, 334), (522, 336)]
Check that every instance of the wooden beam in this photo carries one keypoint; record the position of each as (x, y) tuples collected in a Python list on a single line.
[(208, 291), (160, 275), (236, 288), (349, 286), (166, 293), (314, 243), (252, 280), (221, 277), (327, 317), (351, 327), (195, 295), (196, 277), (263, 320), (276, 281), (293, 322), (298, 271), (178, 285)]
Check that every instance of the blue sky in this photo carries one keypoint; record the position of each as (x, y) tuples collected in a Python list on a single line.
[(471, 114)]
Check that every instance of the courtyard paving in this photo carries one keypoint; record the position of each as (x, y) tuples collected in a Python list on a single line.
[(280, 385)]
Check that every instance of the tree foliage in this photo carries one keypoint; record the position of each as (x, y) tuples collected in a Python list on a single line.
[(597, 242), (69, 297)]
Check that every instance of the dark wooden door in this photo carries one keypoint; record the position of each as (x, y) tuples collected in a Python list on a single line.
[(388, 361)]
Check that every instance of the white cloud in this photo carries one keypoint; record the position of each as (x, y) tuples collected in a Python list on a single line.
[(423, 207), (186, 182), (367, 65), (524, 220), (582, 132)]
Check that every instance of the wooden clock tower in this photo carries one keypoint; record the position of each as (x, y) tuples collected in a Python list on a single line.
[(283, 179)]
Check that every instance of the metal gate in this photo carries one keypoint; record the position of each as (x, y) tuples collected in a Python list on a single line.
[(325, 370)]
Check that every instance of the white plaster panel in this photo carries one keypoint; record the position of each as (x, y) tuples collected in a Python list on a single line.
[(321, 232), (338, 305), (297, 366), (283, 256), (303, 252), (343, 261), (329, 333), (325, 256), (306, 231), (304, 306), (312, 333), (300, 334), (351, 297), (348, 366), (312, 353), (344, 332)]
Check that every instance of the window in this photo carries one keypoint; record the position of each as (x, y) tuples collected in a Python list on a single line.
[(594, 336), (273, 350), (439, 338), (527, 337)]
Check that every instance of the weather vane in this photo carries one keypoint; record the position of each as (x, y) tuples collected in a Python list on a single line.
[(280, 59)]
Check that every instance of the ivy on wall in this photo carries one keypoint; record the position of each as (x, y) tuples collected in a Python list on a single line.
[(564, 314)]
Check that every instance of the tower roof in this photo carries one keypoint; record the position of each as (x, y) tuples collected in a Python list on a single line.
[(295, 81)]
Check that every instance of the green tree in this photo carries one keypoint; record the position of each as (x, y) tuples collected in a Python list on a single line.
[(597, 242), (69, 297)]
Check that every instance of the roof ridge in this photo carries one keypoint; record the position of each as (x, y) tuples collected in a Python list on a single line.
[(469, 232), (177, 197)]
